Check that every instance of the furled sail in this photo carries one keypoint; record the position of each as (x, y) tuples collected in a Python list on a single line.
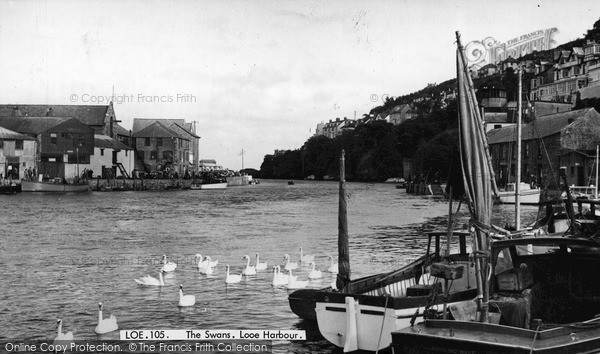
[(477, 173)]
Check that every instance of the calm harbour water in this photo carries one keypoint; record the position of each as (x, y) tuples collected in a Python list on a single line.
[(62, 254)]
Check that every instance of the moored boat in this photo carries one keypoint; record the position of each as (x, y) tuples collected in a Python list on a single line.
[(303, 302), (544, 295), (363, 317), (527, 195), (57, 185)]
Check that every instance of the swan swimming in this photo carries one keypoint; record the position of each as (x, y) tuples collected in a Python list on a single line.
[(168, 266), (306, 258), (105, 325), (294, 283), (185, 300), (259, 265), (211, 263), (314, 274), (279, 279), (232, 278), (289, 265), (249, 270), (333, 268), (151, 281), (61, 338), (206, 267)]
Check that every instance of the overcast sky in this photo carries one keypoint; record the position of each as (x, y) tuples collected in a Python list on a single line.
[(254, 75)]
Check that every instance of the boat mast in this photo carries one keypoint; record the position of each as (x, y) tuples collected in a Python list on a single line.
[(596, 189), (518, 172), (343, 277)]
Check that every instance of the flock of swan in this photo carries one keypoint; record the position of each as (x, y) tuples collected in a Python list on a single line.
[(206, 266)]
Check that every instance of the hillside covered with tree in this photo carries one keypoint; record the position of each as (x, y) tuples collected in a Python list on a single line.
[(375, 150)]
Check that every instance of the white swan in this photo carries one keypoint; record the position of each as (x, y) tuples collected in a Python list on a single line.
[(107, 324), (306, 258), (151, 281), (61, 338), (211, 263), (205, 267), (333, 268), (289, 265), (279, 279), (249, 270), (201, 262), (232, 278), (168, 266), (259, 265), (294, 283), (185, 300), (314, 274)]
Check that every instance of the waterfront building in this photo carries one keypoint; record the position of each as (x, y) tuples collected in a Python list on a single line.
[(111, 158), (17, 154), (563, 139), (188, 154), (161, 149)]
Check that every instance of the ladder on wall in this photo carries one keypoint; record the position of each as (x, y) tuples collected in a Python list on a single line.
[(122, 170)]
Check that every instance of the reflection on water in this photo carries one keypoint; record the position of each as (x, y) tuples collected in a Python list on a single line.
[(62, 254)]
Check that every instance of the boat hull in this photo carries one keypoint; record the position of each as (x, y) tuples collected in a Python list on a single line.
[(222, 185), (531, 196), (439, 336), (35, 186), (367, 322)]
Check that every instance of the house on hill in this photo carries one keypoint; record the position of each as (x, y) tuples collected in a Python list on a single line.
[(565, 139)]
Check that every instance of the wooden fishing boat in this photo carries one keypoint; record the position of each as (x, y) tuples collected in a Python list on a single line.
[(58, 185), (303, 301), (363, 317), (544, 296)]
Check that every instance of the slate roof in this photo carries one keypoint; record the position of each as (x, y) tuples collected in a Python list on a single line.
[(158, 130), (141, 123), (30, 125), (6, 134), (105, 141), (546, 125), (90, 115)]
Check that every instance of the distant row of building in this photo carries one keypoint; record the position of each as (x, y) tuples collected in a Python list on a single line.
[(66, 140)]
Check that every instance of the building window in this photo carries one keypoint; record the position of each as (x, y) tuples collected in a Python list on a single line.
[(572, 171), (126, 153), (53, 138), (158, 141), (153, 154), (18, 144), (147, 142), (1, 144)]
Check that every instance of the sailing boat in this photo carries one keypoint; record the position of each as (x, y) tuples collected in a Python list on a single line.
[(364, 312), (525, 193), (544, 295)]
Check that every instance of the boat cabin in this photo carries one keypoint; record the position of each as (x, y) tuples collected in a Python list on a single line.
[(551, 279), (415, 278)]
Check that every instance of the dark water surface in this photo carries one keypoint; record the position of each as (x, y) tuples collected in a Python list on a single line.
[(62, 254)]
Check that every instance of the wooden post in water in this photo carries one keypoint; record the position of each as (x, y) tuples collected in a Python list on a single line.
[(343, 277)]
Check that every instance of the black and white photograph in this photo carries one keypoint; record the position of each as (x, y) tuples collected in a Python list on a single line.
[(181, 176)]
